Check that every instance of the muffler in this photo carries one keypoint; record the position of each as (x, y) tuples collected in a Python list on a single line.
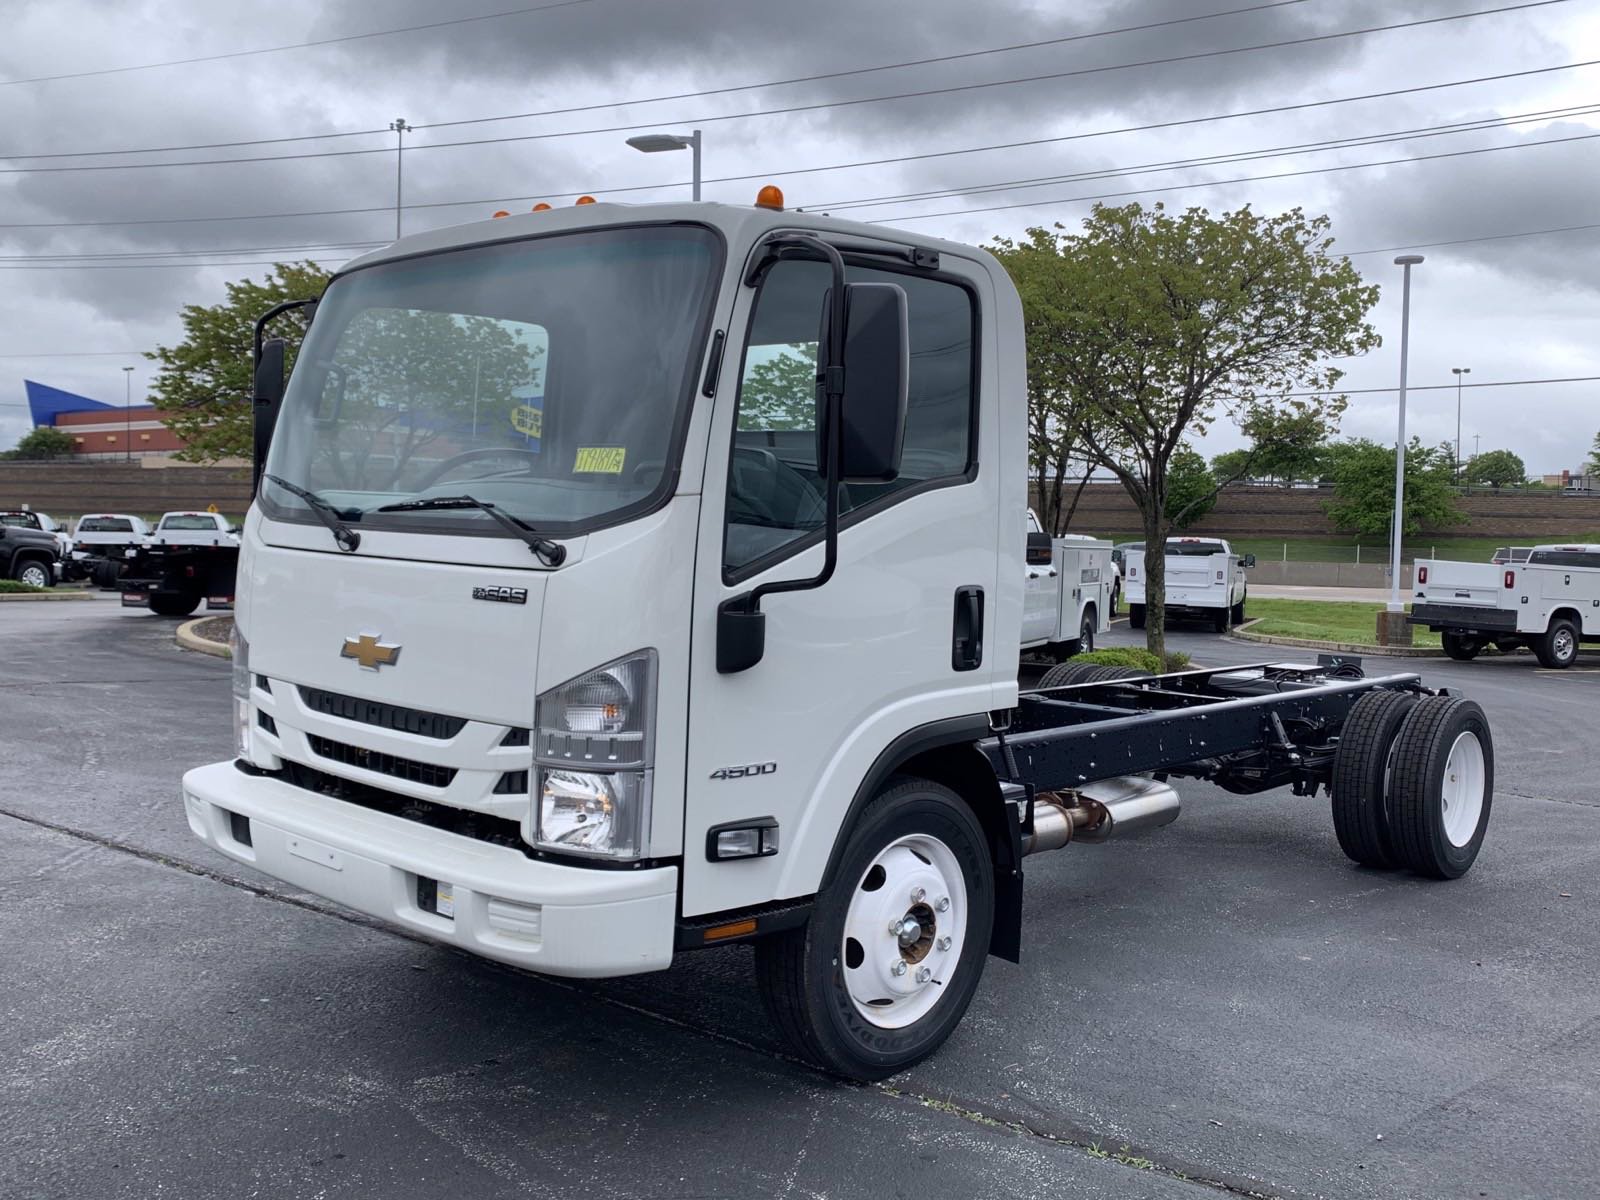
[(1096, 811)]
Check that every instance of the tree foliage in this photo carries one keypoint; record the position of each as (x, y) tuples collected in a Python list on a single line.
[(1191, 488), (1363, 481), (1497, 468), (42, 442), (204, 382), (1156, 326), (780, 391), (1592, 467)]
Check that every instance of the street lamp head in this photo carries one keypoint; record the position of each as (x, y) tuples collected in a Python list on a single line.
[(653, 143), (1461, 370), (1408, 260)]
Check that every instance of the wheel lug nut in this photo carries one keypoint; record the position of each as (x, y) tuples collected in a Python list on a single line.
[(916, 895), (923, 974), (899, 968), (944, 904), (944, 943)]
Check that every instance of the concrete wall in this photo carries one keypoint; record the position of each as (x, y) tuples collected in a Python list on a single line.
[(71, 489)]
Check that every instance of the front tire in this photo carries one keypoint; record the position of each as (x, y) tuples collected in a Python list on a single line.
[(1136, 616), (884, 969), (1442, 786), (32, 572), (1557, 647)]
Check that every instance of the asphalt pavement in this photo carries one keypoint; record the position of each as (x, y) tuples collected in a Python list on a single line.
[(1225, 1004)]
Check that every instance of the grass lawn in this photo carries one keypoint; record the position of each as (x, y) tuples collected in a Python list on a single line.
[(12, 586), (1324, 620)]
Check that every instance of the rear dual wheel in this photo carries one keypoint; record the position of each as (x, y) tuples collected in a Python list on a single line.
[(1413, 780), (888, 962), (1460, 646)]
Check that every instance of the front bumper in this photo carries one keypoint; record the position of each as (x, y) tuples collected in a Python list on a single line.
[(546, 917)]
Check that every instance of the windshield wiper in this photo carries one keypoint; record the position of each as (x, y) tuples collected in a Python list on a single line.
[(552, 554), (348, 539)]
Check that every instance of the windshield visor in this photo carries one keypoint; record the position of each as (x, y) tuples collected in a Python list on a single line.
[(550, 377)]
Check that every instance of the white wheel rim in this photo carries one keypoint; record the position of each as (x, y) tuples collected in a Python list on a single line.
[(1462, 792), (904, 931)]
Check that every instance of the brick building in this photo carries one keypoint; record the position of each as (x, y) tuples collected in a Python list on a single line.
[(102, 431)]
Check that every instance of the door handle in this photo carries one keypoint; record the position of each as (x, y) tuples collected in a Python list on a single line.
[(966, 640)]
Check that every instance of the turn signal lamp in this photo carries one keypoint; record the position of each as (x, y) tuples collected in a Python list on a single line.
[(540, 207), (1511, 579), (501, 213), (585, 200), (1422, 574), (771, 197)]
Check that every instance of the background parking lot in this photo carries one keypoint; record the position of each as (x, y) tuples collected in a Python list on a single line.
[(1228, 1002)]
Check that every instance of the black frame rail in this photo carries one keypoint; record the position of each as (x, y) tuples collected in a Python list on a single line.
[(1247, 728)]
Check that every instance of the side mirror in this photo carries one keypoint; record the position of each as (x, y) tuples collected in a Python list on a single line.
[(877, 372), (1248, 561), (269, 383), (1041, 550)]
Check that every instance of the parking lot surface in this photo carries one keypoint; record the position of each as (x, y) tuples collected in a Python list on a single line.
[(1228, 1003)]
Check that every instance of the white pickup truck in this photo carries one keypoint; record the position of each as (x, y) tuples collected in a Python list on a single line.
[(1205, 578), (1067, 597), (1550, 603), (194, 529)]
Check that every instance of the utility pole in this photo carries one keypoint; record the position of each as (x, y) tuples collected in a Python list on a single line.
[(399, 126), (127, 413), (1458, 372), (1392, 626)]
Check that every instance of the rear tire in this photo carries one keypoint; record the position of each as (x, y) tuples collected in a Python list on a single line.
[(33, 573), (1557, 647), (174, 604), (1111, 674), (104, 574), (1459, 646), (1238, 610), (1442, 786), (917, 855), (1136, 616), (1066, 674), (1362, 769), (1219, 620)]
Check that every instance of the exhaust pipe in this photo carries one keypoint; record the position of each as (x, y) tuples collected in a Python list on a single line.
[(1096, 811)]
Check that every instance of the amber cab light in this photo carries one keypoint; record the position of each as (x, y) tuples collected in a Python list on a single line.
[(770, 197), (1511, 580), (584, 200), (1422, 574), (540, 207), (501, 213)]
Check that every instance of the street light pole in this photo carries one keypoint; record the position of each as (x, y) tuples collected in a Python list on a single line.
[(1458, 372), (1406, 261), (399, 126), (654, 143), (127, 413)]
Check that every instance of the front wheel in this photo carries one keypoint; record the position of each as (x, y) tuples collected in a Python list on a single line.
[(882, 972), (33, 573), (1136, 616), (1558, 647)]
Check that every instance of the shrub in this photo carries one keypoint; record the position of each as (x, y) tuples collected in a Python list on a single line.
[(11, 585), (1133, 656)]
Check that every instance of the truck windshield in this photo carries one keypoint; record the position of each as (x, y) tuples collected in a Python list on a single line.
[(550, 377)]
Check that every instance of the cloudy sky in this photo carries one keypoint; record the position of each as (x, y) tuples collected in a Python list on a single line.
[(574, 80)]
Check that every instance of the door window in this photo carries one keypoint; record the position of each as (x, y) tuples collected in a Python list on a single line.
[(776, 497)]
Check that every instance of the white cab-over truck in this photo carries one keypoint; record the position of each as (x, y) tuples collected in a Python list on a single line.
[(1549, 603), (668, 593), (1066, 601), (1205, 579)]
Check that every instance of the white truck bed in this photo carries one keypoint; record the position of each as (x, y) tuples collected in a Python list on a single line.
[(1550, 603)]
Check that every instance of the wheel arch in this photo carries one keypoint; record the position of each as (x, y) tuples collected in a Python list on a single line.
[(1565, 610)]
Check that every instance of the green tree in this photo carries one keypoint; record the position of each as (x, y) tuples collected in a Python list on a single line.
[(1497, 468), (1162, 325), (1191, 488), (1592, 467), (780, 391), (204, 382), (1363, 482), (41, 442)]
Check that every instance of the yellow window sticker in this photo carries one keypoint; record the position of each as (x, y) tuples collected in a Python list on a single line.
[(599, 460), (528, 419)]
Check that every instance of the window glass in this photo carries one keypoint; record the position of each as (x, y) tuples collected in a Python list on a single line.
[(775, 493), (105, 525), (1564, 558)]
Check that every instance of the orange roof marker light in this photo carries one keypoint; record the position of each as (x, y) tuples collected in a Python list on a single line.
[(771, 197), (540, 207), (501, 213), (584, 200)]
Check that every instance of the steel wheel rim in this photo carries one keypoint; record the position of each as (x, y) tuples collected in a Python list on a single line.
[(1564, 643), (1461, 794), (908, 914), (1086, 637)]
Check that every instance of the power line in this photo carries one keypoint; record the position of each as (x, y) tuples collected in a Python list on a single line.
[(1490, 237), (349, 37), (81, 354), (1180, 187), (894, 66), (1224, 158), (1435, 387), (191, 253), (797, 108), (787, 171)]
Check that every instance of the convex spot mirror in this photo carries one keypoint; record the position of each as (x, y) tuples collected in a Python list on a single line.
[(877, 371)]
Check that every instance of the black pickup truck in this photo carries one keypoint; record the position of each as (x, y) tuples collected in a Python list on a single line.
[(29, 555)]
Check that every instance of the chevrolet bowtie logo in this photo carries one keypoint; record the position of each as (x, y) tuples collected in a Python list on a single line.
[(370, 652)]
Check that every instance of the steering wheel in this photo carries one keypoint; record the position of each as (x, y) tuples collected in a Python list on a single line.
[(468, 456)]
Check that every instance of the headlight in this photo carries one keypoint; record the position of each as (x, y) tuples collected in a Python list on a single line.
[(241, 692), (593, 750)]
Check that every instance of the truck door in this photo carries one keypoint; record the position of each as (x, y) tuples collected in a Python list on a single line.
[(852, 665), (1041, 594)]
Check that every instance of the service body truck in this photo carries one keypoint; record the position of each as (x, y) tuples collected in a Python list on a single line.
[(617, 636), (1549, 603), (1067, 597), (1205, 579), (194, 529)]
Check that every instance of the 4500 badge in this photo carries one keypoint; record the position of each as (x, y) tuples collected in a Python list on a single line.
[(745, 772)]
